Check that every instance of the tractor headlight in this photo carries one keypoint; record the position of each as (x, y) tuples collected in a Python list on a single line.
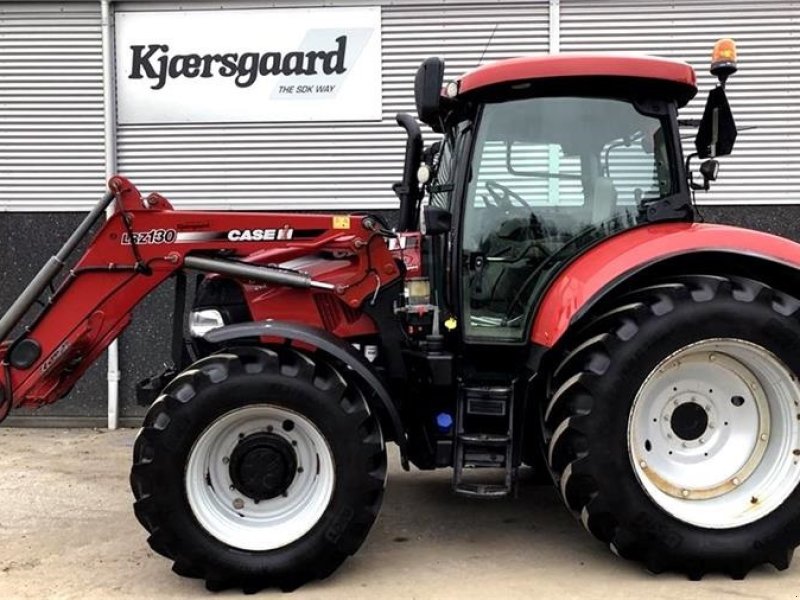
[(203, 321)]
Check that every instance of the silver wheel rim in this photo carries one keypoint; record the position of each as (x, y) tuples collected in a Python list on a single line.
[(738, 460), (239, 521)]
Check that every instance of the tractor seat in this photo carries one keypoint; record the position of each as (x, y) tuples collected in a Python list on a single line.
[(604, 200)]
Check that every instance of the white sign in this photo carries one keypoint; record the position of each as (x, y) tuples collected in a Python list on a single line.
[(196, 66)]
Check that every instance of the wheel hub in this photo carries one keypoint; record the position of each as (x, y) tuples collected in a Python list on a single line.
[(263, 466), (689, 421)]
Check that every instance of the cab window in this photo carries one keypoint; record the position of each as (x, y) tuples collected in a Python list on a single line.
[(549, 176)]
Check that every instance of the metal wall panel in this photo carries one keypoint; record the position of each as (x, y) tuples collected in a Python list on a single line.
[(51, 105), (51, 141), (326, 166), (765, 94)]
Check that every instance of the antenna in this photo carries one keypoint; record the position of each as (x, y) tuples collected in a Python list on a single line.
[(488, 43)]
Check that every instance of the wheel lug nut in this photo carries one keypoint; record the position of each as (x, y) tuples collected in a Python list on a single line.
[(763, 437), (702, 441), (225, 460), (685, 493), (643, 464), (736, 481), (238, 503)]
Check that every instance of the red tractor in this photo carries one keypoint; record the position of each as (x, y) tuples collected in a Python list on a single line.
[(552, 303)]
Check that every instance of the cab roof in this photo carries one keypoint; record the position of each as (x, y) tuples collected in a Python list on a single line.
[(677, 76)]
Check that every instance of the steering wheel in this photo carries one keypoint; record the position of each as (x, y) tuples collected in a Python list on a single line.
[(503, 195)]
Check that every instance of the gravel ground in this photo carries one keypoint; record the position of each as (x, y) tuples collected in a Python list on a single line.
[(67, 530)]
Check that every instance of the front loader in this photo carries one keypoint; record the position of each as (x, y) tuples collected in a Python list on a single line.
[(546, 300)]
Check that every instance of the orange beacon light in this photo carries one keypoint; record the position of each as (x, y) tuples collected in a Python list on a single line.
[(723, 59)]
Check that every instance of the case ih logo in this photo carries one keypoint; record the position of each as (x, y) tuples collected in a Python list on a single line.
[(154, 62)]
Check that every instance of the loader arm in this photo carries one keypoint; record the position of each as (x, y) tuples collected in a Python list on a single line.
[(143, 243)]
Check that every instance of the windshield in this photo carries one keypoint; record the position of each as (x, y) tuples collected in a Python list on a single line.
[(548, 177)]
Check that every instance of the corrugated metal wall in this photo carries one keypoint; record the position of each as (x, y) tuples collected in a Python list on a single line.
[(348, 165), (765, 94), (51, 144), (51, 105)]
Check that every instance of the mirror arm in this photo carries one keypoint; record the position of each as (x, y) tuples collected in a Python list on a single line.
[(714, 132), (690, 176)]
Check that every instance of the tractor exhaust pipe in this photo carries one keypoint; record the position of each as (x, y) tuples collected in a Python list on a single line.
[(50, 269), (245, 271), (408, 190)]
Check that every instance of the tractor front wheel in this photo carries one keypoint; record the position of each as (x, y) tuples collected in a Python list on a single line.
[(258, 468), (673, 427)]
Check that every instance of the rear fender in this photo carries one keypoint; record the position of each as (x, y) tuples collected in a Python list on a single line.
[(380, 402), (606, 268)]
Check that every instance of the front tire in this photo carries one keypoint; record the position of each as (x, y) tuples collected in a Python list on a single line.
[(673, 427), (258, 468)]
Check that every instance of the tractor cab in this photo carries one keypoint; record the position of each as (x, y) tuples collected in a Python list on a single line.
[(542, 157), (548, 176)]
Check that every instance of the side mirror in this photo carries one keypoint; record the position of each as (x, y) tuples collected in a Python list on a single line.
[(428, 91), (717, 132), (436, 220)]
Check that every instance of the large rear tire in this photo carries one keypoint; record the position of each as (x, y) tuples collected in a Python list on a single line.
[(673, 426), (258, 468)]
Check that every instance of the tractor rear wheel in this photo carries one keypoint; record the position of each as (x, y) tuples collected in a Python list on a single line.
[(673, 426), (258, 468)]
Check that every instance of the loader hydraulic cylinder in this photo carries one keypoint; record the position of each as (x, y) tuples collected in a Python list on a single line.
[(240, 270)]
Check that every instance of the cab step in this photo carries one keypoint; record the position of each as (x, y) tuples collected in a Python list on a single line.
[(482, 490), (483, 440)]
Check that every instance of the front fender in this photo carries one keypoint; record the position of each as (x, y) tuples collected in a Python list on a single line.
[(604, 266), (328, 344)]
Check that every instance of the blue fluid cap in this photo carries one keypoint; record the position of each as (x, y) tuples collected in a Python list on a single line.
[(444, 421)]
